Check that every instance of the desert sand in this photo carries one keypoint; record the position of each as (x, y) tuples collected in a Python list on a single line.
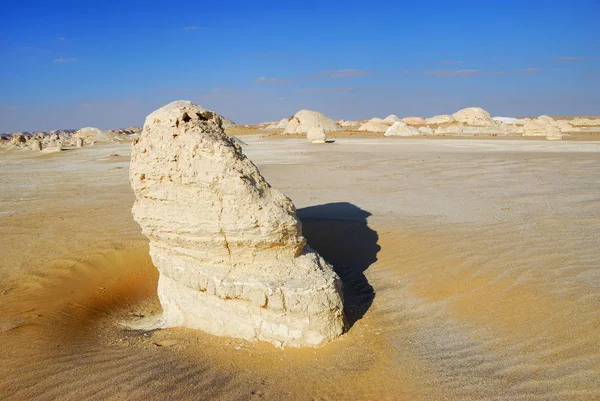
[(470, 271)]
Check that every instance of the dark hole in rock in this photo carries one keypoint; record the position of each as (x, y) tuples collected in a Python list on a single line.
[(204, 117), (186, 118)]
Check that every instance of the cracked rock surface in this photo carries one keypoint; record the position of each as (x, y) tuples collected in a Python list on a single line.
[(228, 247)]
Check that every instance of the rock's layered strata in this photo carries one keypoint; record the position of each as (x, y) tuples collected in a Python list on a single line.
[(228, 247), (401, 129), (303, 120)]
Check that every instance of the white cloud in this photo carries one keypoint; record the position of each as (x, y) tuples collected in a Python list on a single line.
[(346, 73), (271, 80), (65, 60)]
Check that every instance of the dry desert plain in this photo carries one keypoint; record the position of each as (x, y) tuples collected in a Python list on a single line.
[(471, 271)]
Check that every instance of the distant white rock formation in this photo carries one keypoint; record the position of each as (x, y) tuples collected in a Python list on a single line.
[(400, 128), (414, 120), (303, 120), (544, 126), (374, 125), (585, 122), (440, 119), (391, 119), (474, 116)]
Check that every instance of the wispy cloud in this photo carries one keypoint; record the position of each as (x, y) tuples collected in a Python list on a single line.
[(368, 89), (271, 80), (346, 73), (452, 73), (568, 58), (65, 60), (62, 38), (191, 28), (529, 71), (478, 73), (450, 62)]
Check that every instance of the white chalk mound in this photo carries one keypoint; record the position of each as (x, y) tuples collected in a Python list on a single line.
[(282, 124), (440, 119), (474, 116), (392, 118), (414, 120), (304, 120), (374, 125), (543, 126), (401, 129), (228, 247), (89, 133)]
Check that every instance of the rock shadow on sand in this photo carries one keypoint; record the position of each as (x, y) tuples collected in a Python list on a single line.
[(339, 232)]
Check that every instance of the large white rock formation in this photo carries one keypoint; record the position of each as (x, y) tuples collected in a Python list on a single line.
[(401, 129), (474, 116), (228, 247), (303, 120)]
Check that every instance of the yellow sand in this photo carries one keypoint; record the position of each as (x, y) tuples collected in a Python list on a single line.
[(471, 271)]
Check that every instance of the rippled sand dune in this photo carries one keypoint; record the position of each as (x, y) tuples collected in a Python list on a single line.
[(471, 271)]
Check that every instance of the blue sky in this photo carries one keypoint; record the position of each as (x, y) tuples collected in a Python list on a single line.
[(68, 64)]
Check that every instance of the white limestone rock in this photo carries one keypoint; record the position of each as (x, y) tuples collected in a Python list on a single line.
[(280, 125), (350, 124), (449, 129), (316, 135), (426, 131), (303, 120), (474, 116), (542, 126), (391, 119), (585, 122), (35, 144), (440, 119), (228, 247), (79, 142), (90, 133), (374, 125), (401, 129), (414, 120)]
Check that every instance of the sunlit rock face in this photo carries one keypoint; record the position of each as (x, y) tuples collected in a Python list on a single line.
[(228, 247)]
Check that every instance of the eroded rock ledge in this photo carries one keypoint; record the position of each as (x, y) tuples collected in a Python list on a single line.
[(228, 247)]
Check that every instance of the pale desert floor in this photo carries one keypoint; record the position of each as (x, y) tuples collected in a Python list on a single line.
[(471, 272)]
